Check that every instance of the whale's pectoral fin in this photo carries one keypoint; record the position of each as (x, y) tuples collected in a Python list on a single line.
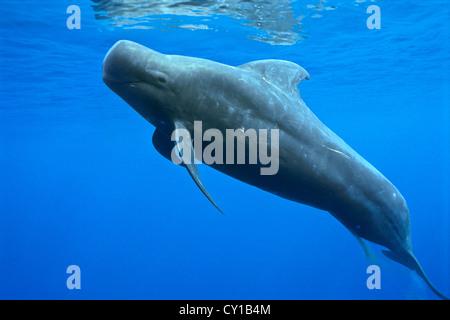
[(369, 255), (284, 74), (192, 169), (164, 145), (186, 152)]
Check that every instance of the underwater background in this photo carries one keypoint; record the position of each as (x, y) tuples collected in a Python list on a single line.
[(81, 184)]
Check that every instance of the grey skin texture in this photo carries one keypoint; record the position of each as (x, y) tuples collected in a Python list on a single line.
[(316, 167)]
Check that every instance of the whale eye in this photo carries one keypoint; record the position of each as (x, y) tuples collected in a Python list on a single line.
[(156, 78)]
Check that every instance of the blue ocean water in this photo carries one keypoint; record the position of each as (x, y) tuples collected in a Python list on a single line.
[(81, 184)]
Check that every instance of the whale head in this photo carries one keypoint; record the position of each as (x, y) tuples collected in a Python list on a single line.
[(166, 88), (144, 78)]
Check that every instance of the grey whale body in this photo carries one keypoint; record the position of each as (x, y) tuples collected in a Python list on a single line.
[(316, 167)]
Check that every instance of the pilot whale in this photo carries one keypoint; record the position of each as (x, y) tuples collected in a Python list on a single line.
[(316, 167)]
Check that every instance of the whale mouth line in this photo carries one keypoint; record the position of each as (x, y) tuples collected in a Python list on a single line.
[(108, 78), (136, 84)]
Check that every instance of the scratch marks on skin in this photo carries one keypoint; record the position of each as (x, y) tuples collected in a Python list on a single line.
[(337, 151), (331, 149), (244, 81), (326, 135), (264, 78)]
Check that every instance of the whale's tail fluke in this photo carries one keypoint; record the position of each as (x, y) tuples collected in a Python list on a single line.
[(410, 261)]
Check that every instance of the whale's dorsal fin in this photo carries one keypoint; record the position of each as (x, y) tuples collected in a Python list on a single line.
[(189, 162), (284, 74)]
